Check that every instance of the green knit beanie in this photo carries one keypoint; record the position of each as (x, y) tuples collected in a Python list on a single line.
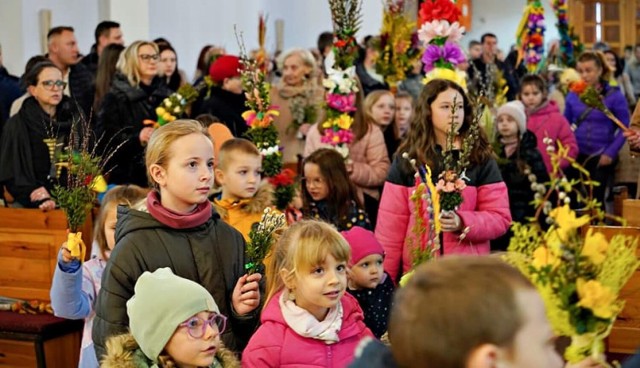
[(160, 303)]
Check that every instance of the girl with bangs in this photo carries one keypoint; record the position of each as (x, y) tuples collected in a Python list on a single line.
[(308, 320), (484, 213)]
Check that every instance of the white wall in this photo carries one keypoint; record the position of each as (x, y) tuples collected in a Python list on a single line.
[(189, 25)]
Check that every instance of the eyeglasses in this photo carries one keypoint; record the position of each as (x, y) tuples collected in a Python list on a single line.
[(197, 326), (148, 57), (52, 84)]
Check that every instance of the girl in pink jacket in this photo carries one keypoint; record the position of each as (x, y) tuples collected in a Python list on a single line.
[(484, 213), (308, 320), (545, 120)]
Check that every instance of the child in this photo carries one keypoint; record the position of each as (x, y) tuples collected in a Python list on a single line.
[(176, 227), (380, 109), (484, 212), (293, 212), (518, 157), (308, 320), (328, 194), (173, 322), (545, 120), (509, 327), (368, 282), (244, 197), (76, 285), (404, 112)]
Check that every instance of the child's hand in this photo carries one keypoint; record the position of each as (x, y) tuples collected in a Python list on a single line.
[(246, 294), (450, 221), (66, 254), (586, 363)]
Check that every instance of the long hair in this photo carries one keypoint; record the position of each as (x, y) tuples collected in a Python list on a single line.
[(202, 66), (342, 191), (128, 63), (106, 69), (303, 246), (421, 139), (174, 80)]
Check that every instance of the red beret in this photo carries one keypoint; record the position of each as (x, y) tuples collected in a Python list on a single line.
[(226, 66)]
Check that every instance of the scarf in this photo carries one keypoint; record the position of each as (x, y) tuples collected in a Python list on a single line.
[(510, 145), (306, 325), (176, 220)]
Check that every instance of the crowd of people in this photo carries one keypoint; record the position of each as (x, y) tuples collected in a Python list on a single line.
[(168, 284)]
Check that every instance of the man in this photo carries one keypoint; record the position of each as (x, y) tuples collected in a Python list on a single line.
[(107, 32), (63, 52), (633, 70), (9, 91), (475, 49), (483, 69)]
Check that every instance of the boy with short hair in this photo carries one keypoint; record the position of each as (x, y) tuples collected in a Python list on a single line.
[(244, 196)]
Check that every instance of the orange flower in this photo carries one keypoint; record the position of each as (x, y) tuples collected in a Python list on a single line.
[(578, 87)]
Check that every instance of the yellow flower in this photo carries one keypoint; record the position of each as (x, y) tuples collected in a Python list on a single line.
[(344, 121), (600, 299), (566, 220), (595, 247), (327, 124), (160, 111), (542, 256)]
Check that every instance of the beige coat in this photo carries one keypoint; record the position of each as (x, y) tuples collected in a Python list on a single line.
[(369, 155)]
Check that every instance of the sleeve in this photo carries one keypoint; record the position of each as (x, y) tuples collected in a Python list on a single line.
[(568, 108), (391, 229), (635, 118), (491, 217), (620, 109), (373, 171), (118, 281), (568, 139), (259, 353), (71, 296), (312, 142)]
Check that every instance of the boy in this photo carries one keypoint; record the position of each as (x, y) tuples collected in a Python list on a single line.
[(244, 197), (367, 281)]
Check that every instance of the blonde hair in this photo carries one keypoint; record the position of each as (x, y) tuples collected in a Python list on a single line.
[(128, 62), (157, 152), (304, 245), (232, 146), (126, 195), (371, 99)]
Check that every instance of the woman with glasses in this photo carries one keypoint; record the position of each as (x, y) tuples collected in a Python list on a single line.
[(27, 170), (136, 92), (173, 322)]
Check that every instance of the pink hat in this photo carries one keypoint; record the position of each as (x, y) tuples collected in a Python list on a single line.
[(362, 243)]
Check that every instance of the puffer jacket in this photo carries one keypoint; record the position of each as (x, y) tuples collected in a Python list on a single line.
[(275, 344), (596, 133), (212, 254), (484, 213), (244, 214), (123, 352), (547, 121), (120, 121)]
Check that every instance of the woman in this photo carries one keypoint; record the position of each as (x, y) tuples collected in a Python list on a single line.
[(168, 67), (135, 94), (299, 98), (26, 168), (599, 139), (106, 71), (366, 67), (620, 77)]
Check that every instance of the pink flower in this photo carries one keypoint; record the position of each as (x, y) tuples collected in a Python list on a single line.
[(440, 28), (460, 184), (440, 185), (346, 136), (342, 103), (449, 187)]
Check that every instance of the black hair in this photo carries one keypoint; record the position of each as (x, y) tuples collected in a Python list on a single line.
[(484, 36), (31, 77), (104, 28)]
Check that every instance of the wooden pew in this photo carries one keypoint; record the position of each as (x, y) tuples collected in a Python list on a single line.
[(625, 335), (29, 243), (631, 211)]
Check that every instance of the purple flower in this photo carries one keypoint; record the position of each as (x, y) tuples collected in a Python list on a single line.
[(449, 53)]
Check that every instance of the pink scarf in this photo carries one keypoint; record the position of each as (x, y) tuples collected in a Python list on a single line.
[(306, 325), (176, 220), (510, 145)]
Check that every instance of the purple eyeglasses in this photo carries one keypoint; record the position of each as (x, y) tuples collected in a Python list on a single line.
[(196, 326)]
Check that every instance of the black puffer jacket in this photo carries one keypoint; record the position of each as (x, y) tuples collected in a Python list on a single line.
[(226, 106), (83, 88), (120, 119), (211, 254)]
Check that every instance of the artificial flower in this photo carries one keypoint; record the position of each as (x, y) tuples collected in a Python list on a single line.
[(449, 54), (440, 29), (456, 76), (578, 87), (439, 9), (543, 256), (595, 247), (342, 103), (567, 221), (600, 299)]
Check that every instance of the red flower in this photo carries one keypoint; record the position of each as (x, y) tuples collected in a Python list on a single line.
[(286, 177), (439, 10), (88, 180), (340, 43), (578, 87)]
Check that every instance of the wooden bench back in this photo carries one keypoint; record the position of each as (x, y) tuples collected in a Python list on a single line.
[(29, 243)]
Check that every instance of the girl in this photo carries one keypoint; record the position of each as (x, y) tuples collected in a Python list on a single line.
[(484, 212), (75, 285), (599, 139), (404, 112), (168, 67), (545, 120), (619, 76), (25, 164), (368, 161), (176, 227), (308, 320), (136, 91), (328, 194), (379, 110), (518, 157), (174, 322)]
